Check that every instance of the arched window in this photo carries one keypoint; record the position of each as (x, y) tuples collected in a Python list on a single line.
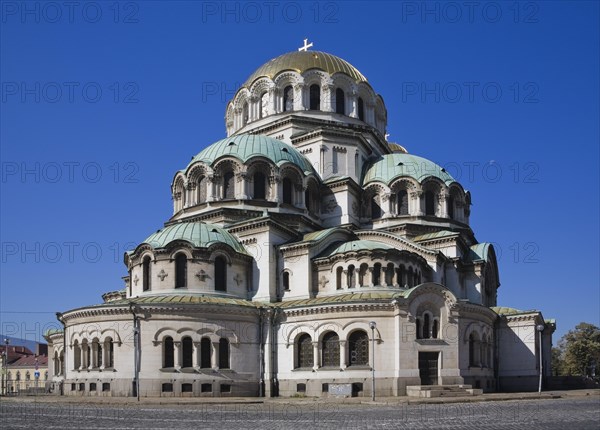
[(389, 274), (286, 281), (361, 109), (18, 377), (308, 199), (180, 270), (244, 114), (223, 353), (351, 276), (426, 326), (483, 351), (220, 274), (474, 358), (338, 278), (402, 199), (358, 346), (259, 183), (27, 376), (429, 203), (400, 276), (76, 355), (377, 274), (186, 352), (315, 97), (201, 189), (109, 348), (362, 274), (169, 352), (340, 101), (97, 348), (146, 273), (288, 99), (85, 352), (205, 352), (304, 351), (410, 278), (435, 328), (451, 207), (375, 208), (228, 186), (287, 191), (330, 350)]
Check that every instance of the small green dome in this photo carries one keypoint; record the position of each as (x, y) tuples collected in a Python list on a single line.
[(301, 61), (199, 234), (356, 245), (392, 166), (245, 146)]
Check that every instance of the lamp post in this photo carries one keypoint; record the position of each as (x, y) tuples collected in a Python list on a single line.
[(373, 324), (4, 390), (540, 329)]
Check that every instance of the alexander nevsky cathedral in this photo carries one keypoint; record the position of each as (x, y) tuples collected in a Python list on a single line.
[(306, 256)]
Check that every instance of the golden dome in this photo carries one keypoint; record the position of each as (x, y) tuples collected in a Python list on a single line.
[(300, 61), (396, 148)]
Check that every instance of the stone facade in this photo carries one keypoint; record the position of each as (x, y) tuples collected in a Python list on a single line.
[(304, 251)]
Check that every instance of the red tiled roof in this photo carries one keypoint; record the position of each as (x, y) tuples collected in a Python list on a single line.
[(29, 361)]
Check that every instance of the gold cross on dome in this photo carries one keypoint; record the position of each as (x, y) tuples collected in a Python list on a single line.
[(306, 45)]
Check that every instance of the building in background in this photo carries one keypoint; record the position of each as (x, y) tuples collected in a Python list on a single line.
[(23, 370)]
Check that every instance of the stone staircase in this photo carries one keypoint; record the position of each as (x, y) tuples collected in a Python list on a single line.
[(442, 391)]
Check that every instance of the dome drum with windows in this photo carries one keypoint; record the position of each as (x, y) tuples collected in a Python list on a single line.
[(306, 82)]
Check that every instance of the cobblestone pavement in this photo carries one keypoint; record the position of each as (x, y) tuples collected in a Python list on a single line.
[(571, 414)]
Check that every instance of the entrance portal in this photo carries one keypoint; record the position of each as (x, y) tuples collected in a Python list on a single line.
[(428, 368)]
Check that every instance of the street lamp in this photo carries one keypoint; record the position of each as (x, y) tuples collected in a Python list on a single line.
[(540, 328), (4, 390), (373, 324)]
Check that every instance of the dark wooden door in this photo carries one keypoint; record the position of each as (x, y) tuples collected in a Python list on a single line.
[(428, 368)]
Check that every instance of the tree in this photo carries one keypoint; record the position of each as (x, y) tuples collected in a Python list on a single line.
[(580, 350)]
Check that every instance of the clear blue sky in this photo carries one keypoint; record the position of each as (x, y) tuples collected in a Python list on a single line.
[(101, 104)]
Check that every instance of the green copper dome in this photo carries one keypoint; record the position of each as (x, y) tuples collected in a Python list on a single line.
[(199, 234), (300, 61), (392, 166), (245, 146)]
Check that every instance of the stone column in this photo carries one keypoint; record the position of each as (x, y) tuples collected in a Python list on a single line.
[(274, 188), (177, 354), (344, 279), (94, 357), (369, 277), (240, 186), (211, 192), (343, 354), (443, 205), (196, 355), (352, 104), (316, 355), (417, 203), (214, 358), (299, 102)]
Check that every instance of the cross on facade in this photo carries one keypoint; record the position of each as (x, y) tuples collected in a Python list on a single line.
[(135, 280), (201, 275), (238, 279), (162, 275), (323, 281), (306, 45)]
